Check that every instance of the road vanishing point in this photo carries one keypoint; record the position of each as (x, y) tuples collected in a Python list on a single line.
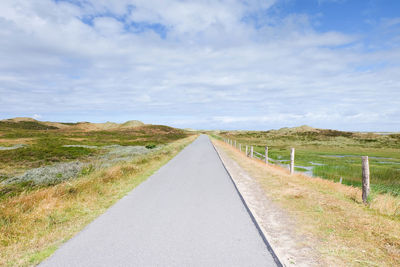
[(188, 213)]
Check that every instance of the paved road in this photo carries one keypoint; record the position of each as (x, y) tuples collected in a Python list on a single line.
[(186, 214)]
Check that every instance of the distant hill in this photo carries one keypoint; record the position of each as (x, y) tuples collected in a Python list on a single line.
[(299, 129), (30, 123), (19, 119), (130, 124)]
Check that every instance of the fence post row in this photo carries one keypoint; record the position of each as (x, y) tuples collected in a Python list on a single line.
[(365, 179), (292, 161), (365, 166), (266, 154)]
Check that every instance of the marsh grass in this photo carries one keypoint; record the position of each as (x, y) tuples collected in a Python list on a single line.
[(332, 154)]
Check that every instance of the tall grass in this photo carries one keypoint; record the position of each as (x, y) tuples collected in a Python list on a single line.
[(383, 179)]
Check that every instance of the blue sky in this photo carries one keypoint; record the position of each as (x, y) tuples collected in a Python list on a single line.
[(228, 64)]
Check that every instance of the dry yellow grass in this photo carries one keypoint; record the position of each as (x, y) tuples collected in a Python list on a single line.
[(16, 141), (332, 213), (34, 224)]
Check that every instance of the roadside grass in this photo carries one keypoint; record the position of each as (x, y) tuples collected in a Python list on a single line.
[(343, 228), (35, 222), (332, 154)]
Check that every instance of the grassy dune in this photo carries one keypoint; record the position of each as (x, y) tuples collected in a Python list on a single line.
[(45, 144)]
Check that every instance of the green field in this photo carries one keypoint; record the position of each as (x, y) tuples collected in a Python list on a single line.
[(331, 154)]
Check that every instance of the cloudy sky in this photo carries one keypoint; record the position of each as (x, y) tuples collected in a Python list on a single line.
[(231, 64)]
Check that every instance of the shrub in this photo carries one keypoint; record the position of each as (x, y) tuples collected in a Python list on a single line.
[(150, 146)]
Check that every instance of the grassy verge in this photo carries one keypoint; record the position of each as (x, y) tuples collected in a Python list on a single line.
[(34, 223), (332, 213)]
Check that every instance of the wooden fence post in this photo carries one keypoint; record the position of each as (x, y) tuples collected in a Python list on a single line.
[(240, 147), (251, 151), (266, 154), (247, 150), (365, 179), (292, 161), (341, 179), (235, 143)]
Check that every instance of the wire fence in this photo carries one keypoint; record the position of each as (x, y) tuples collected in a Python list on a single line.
[(250, 152)]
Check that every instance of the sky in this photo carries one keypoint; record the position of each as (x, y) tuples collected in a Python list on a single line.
[(203, 64)]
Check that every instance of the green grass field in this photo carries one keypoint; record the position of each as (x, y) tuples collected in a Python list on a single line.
[(331, 154)]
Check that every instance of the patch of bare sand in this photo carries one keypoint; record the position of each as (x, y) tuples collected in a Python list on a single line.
[(16, 141), (76, 139)]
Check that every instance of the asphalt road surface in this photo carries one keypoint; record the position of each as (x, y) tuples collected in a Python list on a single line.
[(187, 214)]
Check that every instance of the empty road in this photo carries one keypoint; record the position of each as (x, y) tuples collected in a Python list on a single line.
[(186, 214)]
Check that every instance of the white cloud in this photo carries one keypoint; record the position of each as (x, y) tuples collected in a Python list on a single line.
[(36, 116), (210, 68)]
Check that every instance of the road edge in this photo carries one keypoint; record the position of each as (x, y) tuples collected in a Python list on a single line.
[(252, 214)]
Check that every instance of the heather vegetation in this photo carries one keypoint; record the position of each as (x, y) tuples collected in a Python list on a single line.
[(35, 153)]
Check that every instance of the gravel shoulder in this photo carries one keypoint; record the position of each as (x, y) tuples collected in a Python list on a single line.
[(276, 224)]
